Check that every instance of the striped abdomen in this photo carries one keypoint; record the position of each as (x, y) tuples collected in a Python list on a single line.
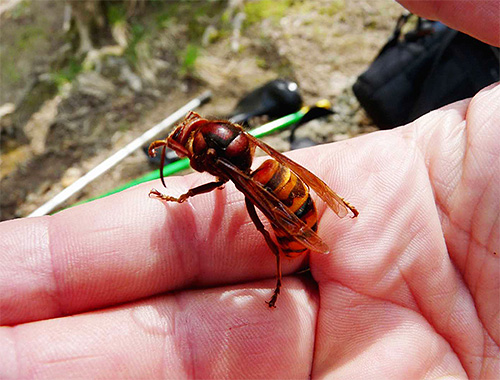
[(294, 194)]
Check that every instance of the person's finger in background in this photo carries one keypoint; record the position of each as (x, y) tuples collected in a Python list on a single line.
[(476, 18)]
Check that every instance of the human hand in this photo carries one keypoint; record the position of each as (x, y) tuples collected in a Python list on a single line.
[(411, 289)]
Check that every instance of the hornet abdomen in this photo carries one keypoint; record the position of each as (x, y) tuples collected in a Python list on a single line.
[(294, 194)]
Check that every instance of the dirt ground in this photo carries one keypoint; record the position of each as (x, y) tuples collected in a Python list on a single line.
[(69, 116)]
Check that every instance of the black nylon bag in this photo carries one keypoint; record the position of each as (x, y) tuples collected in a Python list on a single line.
[(431, 67)]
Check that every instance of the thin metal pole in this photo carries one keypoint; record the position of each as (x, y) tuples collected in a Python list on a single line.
[(114, 159)]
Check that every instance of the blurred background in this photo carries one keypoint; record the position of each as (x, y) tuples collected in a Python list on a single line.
[(81, 79)]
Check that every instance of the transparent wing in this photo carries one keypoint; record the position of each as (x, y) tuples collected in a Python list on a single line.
[(333, 200), (277, 213)]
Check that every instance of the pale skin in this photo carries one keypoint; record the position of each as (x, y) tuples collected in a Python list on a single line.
[(410, 290)]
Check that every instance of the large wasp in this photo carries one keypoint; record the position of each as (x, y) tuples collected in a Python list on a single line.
[(279, 188)]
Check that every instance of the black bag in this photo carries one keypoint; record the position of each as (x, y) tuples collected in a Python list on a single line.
[(430, 67)]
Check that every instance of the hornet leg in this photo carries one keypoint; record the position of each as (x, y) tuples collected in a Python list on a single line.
[(206, 188), (271, 244)]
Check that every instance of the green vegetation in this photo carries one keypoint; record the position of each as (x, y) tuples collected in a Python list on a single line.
[(183, 22), (257, 11), (195, 17), (116, 13), (188, 59), (68, 72), (137, 35), (29, 36), (261, 63), (20, 10), (163, 19)]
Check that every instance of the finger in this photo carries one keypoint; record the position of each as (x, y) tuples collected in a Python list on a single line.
[(126, 247), (476, 18), (216, 333)]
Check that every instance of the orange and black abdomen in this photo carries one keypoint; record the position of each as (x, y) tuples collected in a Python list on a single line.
[(294, 194)]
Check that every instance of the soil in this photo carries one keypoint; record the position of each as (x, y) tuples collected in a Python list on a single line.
[(69, 116)]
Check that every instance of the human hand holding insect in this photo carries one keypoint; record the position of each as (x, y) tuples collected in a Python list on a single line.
[(389, 286), (148, 290)]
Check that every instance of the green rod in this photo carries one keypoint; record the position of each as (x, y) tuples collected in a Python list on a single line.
[(183, 164)]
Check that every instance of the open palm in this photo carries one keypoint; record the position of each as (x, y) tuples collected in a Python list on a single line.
[(129, 287), (411, 289)]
